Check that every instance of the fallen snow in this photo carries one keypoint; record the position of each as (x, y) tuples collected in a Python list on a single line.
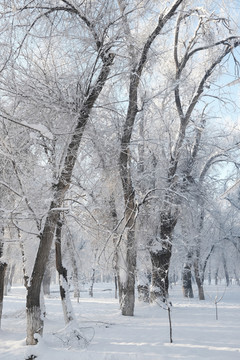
[(40, 128), (196, 333)]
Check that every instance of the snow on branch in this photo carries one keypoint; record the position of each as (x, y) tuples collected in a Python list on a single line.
[(42, 129)]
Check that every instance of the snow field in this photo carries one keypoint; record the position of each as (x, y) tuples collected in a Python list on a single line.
[(196, 332)]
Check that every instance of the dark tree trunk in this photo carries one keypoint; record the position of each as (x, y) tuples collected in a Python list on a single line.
[(116, 286), (187, 281), (63, 279), (33, 308), (199, 280), (143, 293), (236, 277), (161, 258), (160, 266), (225, 270), (216, 277), (209, 277), (6, 280), (3, 267), (9, 278), (113, 212), (25, 276)]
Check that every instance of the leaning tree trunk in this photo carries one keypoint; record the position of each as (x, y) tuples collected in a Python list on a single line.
[(33, 309), (33, 306), (63, 280), (3, 267)]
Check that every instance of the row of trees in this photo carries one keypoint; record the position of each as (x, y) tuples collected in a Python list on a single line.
[(109, 136)]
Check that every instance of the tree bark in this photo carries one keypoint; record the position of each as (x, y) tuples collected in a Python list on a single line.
[(127, 274), (225, 270), (187, 281), (216, 277), (160, 258), (33, 309), (25, 275), (143, 293), (113, 212), (160, 266), (144, 281), (3, 267), (92, 282), (63, 279), (199, 280), (75, 268)]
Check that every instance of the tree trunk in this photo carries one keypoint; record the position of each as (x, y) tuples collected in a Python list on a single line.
[(25, 276), (199, 280), (225, 270), (236, 277), (209, 277), (12, 273), (6, 280), (160, 258), (63, 280), (9, 278), (72, 252), (33, 309), (3, 267), (92, 282), (216, 277), (127, 275), (113, 212), (143, 293), (127, 254), (116, 285), (187, 281), (144, 281), (160, 266)]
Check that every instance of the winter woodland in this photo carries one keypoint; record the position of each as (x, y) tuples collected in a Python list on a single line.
[(119, 145)]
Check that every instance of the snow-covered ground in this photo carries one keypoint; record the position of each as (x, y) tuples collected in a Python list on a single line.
[(196, 332)]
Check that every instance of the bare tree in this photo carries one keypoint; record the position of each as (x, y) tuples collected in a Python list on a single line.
[(180, 173), (127, 245), (80, 108)]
